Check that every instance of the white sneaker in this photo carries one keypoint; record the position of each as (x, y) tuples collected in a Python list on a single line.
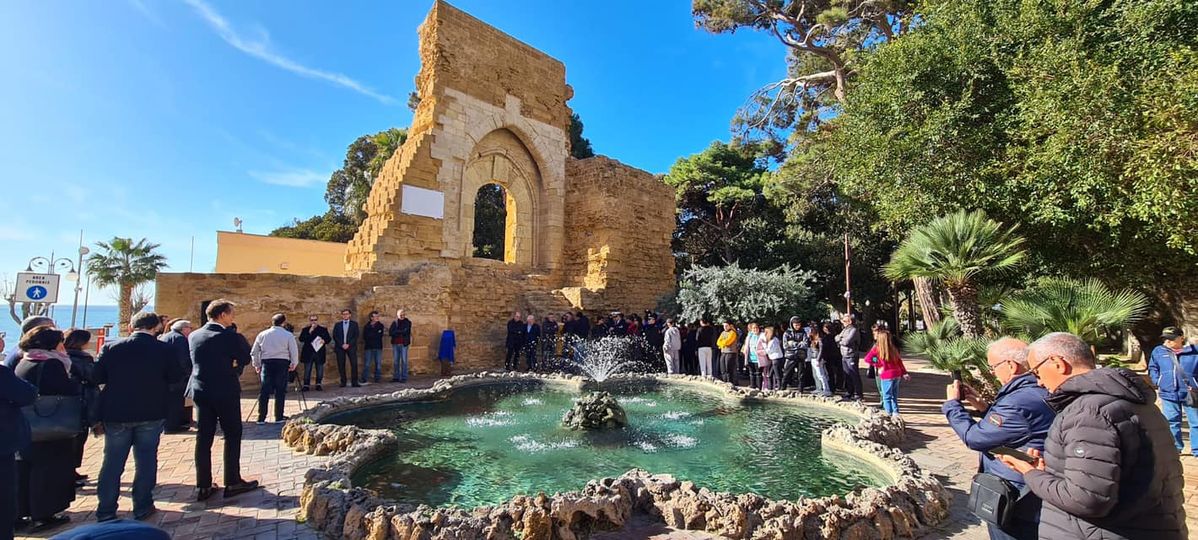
[(899, 419)]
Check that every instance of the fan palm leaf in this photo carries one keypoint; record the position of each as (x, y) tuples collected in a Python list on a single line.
[(955, 250), (1086, 308)]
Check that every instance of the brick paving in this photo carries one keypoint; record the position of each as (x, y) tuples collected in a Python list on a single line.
[(270, 513)]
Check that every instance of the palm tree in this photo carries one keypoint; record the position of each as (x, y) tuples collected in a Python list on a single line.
[(955, 250), (947, 350), (1086, 308), (125, 264)]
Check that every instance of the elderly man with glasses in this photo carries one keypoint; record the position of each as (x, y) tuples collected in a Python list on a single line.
[(1018, 418), (1109, 468)]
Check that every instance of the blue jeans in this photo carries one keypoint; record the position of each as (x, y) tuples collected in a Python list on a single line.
[(118, 438), (308, 372), (1172, 411), (820, 374), (889, 390), (399, 361), (372, 356)]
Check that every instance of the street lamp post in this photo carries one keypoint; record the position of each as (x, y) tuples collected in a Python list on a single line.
[(52, 264)]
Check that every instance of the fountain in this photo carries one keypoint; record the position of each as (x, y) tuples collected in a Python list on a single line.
[(496, 440), (598, 410), (600, 359)]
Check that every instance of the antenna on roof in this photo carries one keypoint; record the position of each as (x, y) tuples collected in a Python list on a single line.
[(237, 223)]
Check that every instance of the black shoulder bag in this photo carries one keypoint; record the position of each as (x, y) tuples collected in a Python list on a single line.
[(992, 499), (53, 418)]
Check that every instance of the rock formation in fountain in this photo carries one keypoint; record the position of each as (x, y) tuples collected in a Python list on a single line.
[(595, 411)]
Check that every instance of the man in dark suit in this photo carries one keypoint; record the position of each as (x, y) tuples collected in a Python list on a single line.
[(178, 415), (532, 334), (137, 373), (345, 342), (310, 356), (218, 356), (515, 342)]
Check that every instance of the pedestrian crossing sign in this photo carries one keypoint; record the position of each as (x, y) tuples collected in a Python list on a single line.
[(36, 288)]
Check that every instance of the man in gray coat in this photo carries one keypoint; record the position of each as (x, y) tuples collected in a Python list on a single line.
[(848, 340), (1109, 469)]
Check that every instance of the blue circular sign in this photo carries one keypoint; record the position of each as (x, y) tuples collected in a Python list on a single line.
[(36, 292)]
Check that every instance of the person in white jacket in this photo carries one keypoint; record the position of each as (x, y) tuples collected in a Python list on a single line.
[(672, 346)]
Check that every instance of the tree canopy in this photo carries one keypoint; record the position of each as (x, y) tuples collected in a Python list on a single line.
[(580, 147), (348, 189), (126, 264), (1053, 115)]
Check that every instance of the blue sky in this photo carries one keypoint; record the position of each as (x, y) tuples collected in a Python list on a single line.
[(166, 119)]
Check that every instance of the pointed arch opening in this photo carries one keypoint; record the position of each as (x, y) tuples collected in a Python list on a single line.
[(494, 224)]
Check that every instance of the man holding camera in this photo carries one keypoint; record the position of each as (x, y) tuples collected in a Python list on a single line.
[(1018, 418)]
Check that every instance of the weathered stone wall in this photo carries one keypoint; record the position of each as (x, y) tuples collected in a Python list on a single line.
[(423, 294), (471, 56), (492, 109), (619, 229)]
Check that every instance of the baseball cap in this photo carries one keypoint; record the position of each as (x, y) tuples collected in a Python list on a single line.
[(1172, 332)]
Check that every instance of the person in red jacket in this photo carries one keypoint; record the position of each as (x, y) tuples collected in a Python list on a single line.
[(885, 356)]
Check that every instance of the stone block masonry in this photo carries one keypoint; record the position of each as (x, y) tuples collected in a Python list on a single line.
[(591, 235)]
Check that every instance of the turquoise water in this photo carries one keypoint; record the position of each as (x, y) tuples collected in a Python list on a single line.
[(485, 445)]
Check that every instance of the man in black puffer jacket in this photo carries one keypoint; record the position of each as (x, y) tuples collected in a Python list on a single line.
[(1109, 469)]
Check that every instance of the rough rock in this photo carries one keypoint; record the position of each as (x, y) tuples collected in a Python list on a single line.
[(598, 410)]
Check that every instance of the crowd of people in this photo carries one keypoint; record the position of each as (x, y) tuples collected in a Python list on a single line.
[(1067, 449), (821, 357)]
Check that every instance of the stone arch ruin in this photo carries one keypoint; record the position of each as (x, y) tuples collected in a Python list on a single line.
[(585, 235)]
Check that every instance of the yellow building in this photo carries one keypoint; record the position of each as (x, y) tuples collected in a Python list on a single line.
[(240, 253)]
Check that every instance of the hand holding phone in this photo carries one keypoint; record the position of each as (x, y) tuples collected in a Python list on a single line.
[(1014, 453)]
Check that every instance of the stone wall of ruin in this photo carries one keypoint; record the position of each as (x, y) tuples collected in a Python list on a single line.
[(619, 228), (491, 109)]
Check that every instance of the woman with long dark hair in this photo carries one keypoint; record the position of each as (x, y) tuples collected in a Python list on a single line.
[(82, 366), (46, 471), (829, 354)]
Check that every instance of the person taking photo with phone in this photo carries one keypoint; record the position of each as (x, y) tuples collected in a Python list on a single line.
[(1018, 418), (1109, 468)]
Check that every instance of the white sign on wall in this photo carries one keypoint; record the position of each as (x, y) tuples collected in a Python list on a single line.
[(40, 288), (423, 202)]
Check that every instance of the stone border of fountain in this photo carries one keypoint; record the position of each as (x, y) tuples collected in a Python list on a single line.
[(912, 502)]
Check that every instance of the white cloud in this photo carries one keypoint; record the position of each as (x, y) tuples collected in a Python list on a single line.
[(146, 12), (260, 49), (293, 178)]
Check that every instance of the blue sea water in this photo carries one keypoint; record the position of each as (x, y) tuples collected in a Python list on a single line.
[(97, 316)]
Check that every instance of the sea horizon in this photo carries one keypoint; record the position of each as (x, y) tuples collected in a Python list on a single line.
[(97, 316)]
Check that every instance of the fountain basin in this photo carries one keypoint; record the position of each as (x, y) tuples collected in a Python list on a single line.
[(483, 445), (905, 503)]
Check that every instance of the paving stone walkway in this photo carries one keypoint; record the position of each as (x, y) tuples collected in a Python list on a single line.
[(270, 513)]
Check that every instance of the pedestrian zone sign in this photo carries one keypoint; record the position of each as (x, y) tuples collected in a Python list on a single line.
[(39, 288)]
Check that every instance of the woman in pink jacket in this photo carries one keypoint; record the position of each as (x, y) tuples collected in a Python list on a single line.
[(885, 356)]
